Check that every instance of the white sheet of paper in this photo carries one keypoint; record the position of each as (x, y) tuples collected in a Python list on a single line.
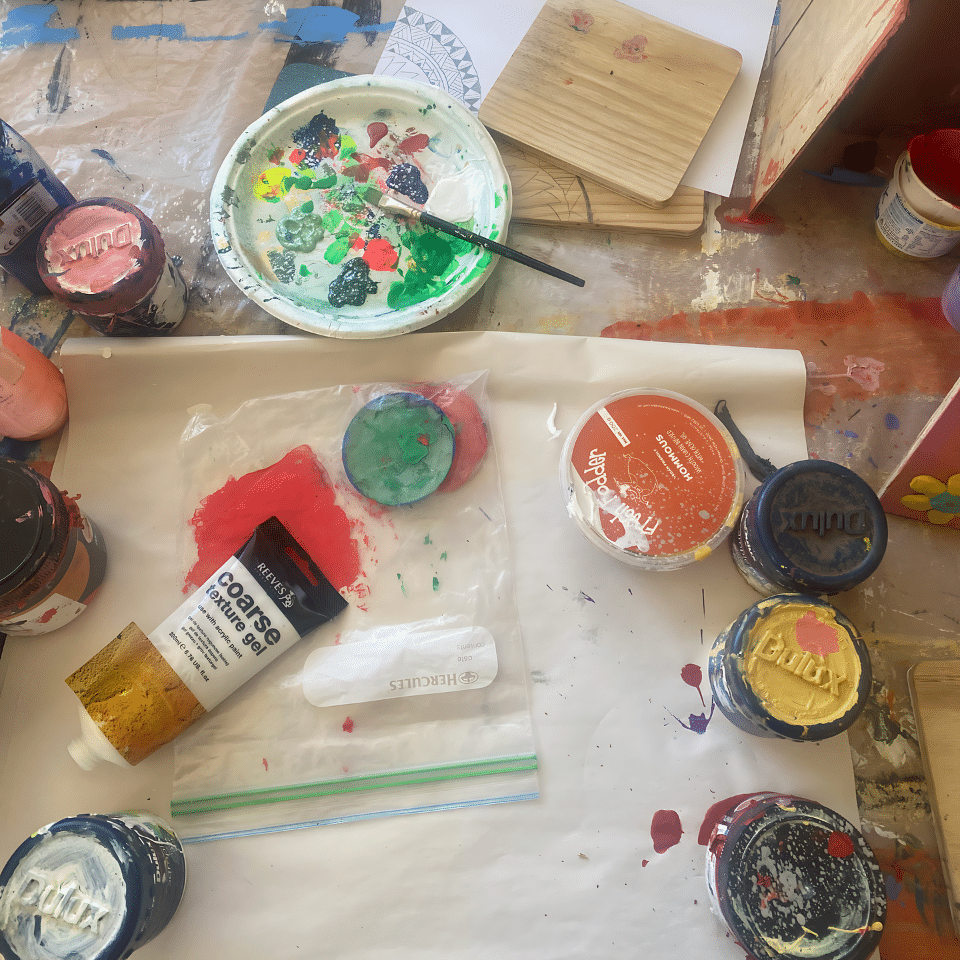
[(463, 47), (573, 874)]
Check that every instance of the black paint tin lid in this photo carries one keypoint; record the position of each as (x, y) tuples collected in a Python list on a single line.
[(821, 527), (796, 880), (29, 527)]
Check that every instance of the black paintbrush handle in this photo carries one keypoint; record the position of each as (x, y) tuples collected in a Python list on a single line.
[(444, 226)]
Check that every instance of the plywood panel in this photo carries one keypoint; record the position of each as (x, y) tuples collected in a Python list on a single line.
[(613, 94)]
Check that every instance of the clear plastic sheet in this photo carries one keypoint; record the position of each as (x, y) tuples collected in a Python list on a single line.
[(432, 580)]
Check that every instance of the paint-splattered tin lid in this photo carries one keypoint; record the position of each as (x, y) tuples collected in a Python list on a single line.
[(791, 666), (90, 887), (101, 256), (653, 478), (821, 525), (793, 879)]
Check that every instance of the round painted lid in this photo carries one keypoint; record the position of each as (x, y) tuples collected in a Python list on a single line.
[(70, 891), (27, 529), (799, 667), (652, 478), (794, 879), (398, 449), (822, 527), (101, 256)]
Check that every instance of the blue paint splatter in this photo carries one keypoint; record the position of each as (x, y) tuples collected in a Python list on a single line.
[(850, 435), (892, 421), (319, 25), (166, 31), (698, 721), (29, 24)]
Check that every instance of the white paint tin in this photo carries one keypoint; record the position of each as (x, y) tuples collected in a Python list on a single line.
[(913, 220)]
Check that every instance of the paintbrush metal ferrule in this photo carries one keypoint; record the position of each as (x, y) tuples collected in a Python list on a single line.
[(397, 207)]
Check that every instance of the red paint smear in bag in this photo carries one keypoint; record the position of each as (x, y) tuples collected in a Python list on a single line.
[(296, 490)]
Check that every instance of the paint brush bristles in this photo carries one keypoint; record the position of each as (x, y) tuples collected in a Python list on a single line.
[(399, 208)]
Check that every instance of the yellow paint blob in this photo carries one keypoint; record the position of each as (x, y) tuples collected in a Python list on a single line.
[(797, 685)]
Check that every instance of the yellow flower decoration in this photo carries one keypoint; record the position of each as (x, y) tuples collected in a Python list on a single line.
[(940, 501)]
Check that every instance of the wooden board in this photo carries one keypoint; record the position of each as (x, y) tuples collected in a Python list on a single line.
[(613, 94), (935, 690), (546, 194), (823, 47)]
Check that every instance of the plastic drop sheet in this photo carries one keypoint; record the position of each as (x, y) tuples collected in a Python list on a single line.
[(415, 697)]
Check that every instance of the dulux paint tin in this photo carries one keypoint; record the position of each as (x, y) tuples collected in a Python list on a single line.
[(791, 666), (793, 879), (90, 887), (811, 527), (652, 478), (398, 448), (105, 259), (53, 559)]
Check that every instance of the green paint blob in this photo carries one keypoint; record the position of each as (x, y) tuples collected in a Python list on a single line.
[(398, 449), (436, 584), (338, 249)]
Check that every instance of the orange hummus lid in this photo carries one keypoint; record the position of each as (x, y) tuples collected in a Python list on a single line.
[(653, 478)]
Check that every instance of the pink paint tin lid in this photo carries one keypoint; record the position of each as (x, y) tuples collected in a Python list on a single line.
[(101, 256), (652, 478)]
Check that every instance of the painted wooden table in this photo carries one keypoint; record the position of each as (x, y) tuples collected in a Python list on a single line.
[(144, 105)]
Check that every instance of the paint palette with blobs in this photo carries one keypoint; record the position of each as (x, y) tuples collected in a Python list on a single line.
[(296, 235)]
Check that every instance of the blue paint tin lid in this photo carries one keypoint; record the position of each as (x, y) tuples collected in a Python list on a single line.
[(815, 527), (90, 887), (793, 879), (791, 666)]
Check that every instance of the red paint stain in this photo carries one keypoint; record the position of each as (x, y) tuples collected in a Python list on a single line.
[(47, 615), (735, 214), (839, 844), (643, 863), (665, 830), (815, 636), (772, 172), (380, 255), (265, 765), (414, 144), (348, 725), (716, 813), (692, 675), (376, 132), (296, 490), (298, 156), (910, 336)]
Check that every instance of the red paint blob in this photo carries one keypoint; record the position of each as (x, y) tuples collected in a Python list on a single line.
[(716, 813), (348, 725), (380, 255), (469, 428), (376, 132), (415, 143), (815, 636), (692, 674), (839, 844), (297, 491), (665, 830)]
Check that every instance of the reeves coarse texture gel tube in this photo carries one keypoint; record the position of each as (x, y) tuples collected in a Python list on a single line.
[(141, 690)]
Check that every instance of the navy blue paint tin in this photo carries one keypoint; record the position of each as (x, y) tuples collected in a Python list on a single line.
[(811, 527), (793, 879), (90, 888), (791, 666)]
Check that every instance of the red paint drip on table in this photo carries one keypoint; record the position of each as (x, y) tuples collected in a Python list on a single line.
[(665, 830)]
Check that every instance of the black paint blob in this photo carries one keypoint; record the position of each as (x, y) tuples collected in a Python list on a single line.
[(405, 179), (352, 284)]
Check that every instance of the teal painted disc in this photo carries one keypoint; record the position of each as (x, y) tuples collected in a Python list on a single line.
[(398, 449)]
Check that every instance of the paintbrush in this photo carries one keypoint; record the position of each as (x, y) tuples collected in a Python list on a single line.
[(392, 204)]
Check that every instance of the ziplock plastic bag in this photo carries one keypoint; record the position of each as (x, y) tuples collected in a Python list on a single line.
[(415, 697)]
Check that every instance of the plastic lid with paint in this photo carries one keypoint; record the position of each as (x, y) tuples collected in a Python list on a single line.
[(652, 478), (90, 888), (791, 666), (398, 448), (101, 256), (811, 527), (793, 879)]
